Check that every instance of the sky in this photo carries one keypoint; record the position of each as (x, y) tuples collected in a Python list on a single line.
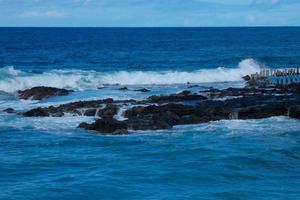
[(149, 13)]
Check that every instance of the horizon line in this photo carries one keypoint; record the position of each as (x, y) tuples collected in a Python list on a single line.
[(262, 26)]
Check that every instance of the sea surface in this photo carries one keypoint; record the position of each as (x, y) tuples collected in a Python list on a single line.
[(49, 158)]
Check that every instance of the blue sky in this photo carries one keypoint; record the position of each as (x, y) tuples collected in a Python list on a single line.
[(143, 13)]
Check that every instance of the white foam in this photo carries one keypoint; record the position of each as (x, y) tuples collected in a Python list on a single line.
[(15, 80), (43, 123)]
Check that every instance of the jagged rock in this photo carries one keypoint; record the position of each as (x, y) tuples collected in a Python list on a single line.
[(163, 112), (183, 96), (109, 111), (178, 109), (220, 112), (87, 108), (106, 126), (147, 123), (39, 93), (135, 111), (262, 112), (90, 112), (37, 112), (246, 78)]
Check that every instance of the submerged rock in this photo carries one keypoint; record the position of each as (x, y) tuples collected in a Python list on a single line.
[(39, 93), (123, 88), (143, 90), (9, 110)]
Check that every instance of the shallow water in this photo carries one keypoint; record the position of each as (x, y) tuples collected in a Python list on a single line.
[(49, 158)]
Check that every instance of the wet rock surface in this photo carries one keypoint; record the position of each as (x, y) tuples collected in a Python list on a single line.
[(180, 97), (166, 111), (39, 93), (102, 108), (110, 126)]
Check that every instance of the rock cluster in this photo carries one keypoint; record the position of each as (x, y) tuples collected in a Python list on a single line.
[(166, 111), (39, 93)]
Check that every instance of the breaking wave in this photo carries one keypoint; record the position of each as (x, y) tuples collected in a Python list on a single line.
[(12, 80)]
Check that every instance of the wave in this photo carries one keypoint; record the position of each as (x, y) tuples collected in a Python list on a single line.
[(13, 80)]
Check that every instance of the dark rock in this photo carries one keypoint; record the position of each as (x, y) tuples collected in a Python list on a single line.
[(39, 93), (290, 87), (294, 112), (76, 108), (9, 110), (262, 112), (163, 112), (178, 109), (37, 112), (219, 113), (85, 125), (123, 88), (246, 78), (142, 90), (90, 112), (194, 119), (106, 126), (109, 111), (147, 123), (134, 112), (183, 96)]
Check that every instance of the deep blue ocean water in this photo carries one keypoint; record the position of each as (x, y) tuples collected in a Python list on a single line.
[(49, 158)]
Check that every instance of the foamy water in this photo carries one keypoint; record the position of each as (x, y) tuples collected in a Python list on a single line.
[(14, 80)]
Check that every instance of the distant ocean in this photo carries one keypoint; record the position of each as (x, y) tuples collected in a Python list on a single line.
[(49, 158)]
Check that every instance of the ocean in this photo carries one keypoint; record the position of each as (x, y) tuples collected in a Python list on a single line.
[(50, 158)]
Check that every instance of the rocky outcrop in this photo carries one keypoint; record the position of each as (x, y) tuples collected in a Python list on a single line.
[(37, 112), (262, 112), (106, 126), (39, 93), (166, 111), (180, 97), (102, 108)]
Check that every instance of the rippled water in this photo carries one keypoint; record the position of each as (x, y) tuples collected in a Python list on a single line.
[(225, 159), (49, 158)]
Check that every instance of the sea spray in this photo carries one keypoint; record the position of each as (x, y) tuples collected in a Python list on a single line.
[(13, 80)]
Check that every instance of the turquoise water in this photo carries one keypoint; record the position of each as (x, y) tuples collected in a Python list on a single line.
[(49, 158)]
